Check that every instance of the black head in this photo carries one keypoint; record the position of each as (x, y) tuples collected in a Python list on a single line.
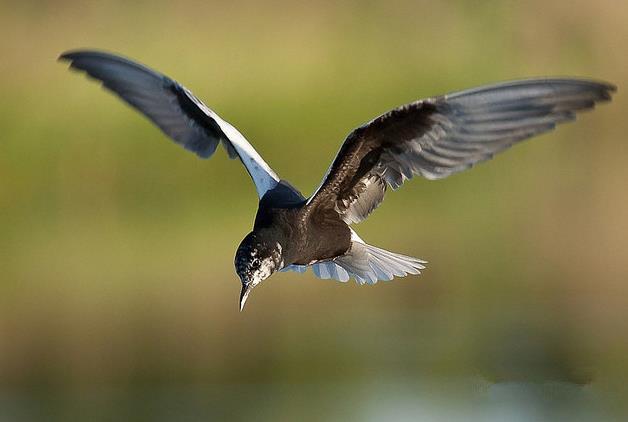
[(256, 260)]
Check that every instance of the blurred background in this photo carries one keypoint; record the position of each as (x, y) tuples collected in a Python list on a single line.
[(118, 297)]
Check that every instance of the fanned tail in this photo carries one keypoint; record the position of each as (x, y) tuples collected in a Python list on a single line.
[(367, 264)]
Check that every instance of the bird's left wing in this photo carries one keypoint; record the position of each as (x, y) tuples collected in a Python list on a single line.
[(444, 135), (174, 109)]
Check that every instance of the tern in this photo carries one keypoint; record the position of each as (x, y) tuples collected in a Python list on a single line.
[(433, 138)]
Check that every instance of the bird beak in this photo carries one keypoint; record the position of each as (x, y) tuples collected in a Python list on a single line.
[(244, 294)]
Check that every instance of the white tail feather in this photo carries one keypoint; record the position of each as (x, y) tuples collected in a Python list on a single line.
[(367, 264)]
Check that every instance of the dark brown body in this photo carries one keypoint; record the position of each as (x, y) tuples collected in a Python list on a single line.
[(305, 234)]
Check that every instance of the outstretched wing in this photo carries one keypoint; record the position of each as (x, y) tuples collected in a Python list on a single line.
[(440, 136), (174, 109)]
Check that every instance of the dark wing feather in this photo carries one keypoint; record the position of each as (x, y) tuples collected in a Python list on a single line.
[(174, 109), (441, 136)]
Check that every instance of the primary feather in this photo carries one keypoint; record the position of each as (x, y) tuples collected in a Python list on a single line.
[(440, 136), (174, 109)]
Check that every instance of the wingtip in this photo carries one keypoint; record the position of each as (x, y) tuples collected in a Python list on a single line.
[(611, 89), (69, 55), (598, 83), (65, 56), (607, 89)]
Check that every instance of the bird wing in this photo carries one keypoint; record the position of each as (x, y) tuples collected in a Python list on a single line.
[(174, 109), (440, 136)]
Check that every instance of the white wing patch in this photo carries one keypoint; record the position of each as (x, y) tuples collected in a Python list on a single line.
[(324, 270), (295, 268), (330, 270), (263, 176)]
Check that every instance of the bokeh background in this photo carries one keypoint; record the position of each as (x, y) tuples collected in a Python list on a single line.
[(118, 298)]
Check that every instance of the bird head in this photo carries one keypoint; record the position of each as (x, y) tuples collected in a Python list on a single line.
[(255, 261)]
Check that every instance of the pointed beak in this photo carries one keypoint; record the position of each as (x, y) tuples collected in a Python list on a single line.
[(244, 294)]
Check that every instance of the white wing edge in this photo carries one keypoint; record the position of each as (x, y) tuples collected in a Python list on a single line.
[(263, 176)]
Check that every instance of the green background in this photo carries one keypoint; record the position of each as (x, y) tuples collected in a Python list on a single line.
[(118, 296)]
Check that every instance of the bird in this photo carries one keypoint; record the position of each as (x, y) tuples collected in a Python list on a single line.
[(433, 138)]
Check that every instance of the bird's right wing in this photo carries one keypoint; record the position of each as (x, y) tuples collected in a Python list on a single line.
[(174, 109), (440, 136)]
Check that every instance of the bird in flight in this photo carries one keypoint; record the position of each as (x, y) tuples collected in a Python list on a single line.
[(433, 138)]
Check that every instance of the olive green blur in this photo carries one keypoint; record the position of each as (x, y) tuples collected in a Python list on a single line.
[(117, 288)]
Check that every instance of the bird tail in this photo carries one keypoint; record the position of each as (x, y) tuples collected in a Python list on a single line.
[(369, 264)]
